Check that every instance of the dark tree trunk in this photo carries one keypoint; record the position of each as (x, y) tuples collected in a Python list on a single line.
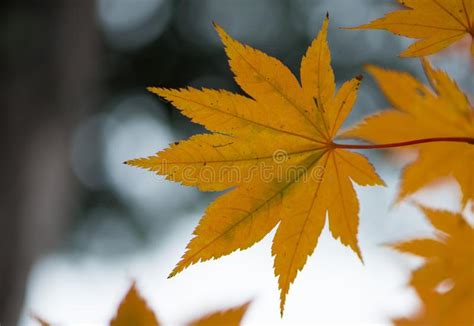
[(50, 52)]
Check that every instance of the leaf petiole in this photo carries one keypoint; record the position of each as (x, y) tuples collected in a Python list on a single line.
[(406, 143)]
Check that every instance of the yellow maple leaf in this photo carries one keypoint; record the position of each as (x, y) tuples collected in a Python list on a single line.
[(435, 23), (420, 114), (275, 150), (133, 310), (445, 281), (229, 317), (39, 320)]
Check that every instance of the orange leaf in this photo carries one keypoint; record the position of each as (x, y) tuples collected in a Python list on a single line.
[(275, 150), (449, 262), (40, 320), (435, 23), (422, 113), (229, 317), (133, 310)]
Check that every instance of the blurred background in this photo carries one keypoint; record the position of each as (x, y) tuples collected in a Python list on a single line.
[(77, 226)]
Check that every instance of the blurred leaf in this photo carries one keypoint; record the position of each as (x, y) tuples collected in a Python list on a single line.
[(436, 23), (421, 113), (133, 310), (449, 263), (229, 317), (40, 320)]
